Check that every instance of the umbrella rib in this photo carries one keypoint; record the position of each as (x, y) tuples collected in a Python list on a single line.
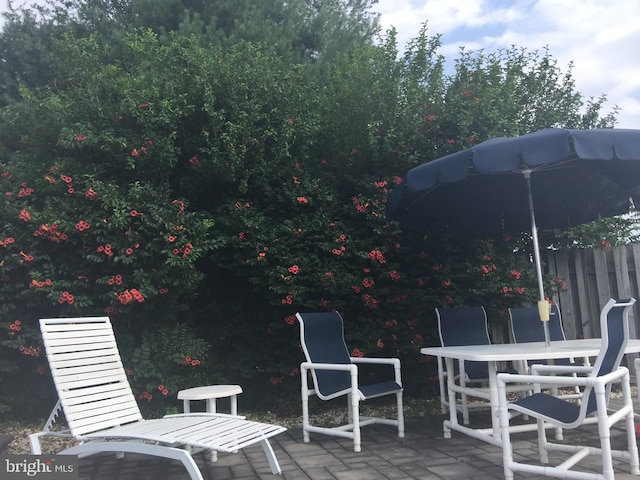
[(527, 168), (543, 167)]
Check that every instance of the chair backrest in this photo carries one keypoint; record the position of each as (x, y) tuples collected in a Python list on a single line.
[(88, 373), (322, 339), (614, 325), (526, 326), (459, 326)]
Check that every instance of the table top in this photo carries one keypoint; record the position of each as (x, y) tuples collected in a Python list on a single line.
[(209, 391), (526, 351)]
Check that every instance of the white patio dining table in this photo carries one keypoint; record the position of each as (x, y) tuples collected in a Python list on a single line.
[(509, 352)]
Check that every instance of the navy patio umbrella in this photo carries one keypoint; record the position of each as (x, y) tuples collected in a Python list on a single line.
[(552, 178)]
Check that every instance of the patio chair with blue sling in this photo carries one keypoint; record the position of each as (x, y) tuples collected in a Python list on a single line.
[(335, 374), (459, 326), (570, 415), (525, 326), (102, 413)]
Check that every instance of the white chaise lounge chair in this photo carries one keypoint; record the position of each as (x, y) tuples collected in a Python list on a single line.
[(102, 413)]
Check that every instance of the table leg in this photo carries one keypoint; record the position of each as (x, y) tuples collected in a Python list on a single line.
[(234, 404), (211, 405), (186, 406), (453, 412), (494, 399)]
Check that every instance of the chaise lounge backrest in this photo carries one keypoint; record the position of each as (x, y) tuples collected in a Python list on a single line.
[(89, 376)]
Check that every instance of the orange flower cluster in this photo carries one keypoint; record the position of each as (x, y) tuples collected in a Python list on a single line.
[(66, 297), (146, 396), (37, 284), (295, 269), (82, 225), (25, 191), (68, 180), (129, 296), (194, 362), (7, 241), (106, 249), (15, 326), (24, 215), (31, 350), (115, 280), (50, 232), (369, 301), (377, 256)]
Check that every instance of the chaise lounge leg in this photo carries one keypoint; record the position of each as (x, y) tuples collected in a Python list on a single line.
[(34, 443), (271, 457), (92, 448)]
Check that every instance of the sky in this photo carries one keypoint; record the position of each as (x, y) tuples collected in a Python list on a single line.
[(600, 37)]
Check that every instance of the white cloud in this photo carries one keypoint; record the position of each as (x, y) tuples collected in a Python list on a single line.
[(600, 37)]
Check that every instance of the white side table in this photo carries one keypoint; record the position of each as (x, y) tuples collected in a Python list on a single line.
[(211, 393)]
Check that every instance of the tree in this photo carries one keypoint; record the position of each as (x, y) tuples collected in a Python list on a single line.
[(301, 31)]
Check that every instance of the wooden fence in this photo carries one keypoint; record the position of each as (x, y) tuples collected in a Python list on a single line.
[(593, 276)]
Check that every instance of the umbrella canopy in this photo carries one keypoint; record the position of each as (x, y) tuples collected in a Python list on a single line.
[(576, 176), (553, 178)]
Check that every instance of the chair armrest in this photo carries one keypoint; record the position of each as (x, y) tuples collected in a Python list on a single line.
[(562, 380), (328, 366), (395, 362), (538, 369), (374, 360)]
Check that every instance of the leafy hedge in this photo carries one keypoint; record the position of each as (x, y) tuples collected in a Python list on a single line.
[(200, 196)]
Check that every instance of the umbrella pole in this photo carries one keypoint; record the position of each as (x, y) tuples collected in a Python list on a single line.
[(536, 251)]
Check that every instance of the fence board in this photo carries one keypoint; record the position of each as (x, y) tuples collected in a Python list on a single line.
[(593, 276), (582, 293), (568, 313)]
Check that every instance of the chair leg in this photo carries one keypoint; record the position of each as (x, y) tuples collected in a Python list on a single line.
[(604, 431), (464, 399), (543, 450), (634, 461), (304, 392), (355, 421), (507, 451), (400, 415)]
